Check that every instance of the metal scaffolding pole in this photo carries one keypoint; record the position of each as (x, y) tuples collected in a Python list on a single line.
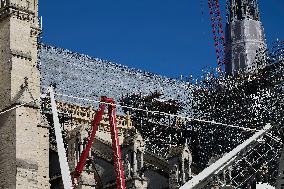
[(201, 179)]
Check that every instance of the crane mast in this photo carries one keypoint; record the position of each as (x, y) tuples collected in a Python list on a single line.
[(72, 182), (217, 30), (120, 180)]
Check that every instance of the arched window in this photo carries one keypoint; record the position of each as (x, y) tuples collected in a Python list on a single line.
[(242, 61)]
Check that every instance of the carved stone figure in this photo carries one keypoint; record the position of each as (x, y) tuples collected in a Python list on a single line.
[(127, 166)]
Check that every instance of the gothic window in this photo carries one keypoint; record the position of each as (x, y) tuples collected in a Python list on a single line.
[(139, 160), (77, 149), (242, 61), (186, 170), (180, 172)]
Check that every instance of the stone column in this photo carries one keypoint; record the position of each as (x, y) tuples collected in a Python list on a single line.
[(224, 176), (142, 160), (77, 151), (174, 175), (90, 153), (189, 169), (134, 164), (182, 171), (81, 148), (70, 156), (230, 174)]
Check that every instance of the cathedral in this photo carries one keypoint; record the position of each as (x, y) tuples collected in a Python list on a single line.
[(29, 155)]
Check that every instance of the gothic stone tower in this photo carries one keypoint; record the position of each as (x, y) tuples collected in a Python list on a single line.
[(23, 139), (244, 36)]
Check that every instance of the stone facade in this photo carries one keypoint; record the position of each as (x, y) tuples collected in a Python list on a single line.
[(25, 148), (24, 139), (180, 161)]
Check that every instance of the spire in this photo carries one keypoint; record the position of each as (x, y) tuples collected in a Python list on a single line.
[(241, 9), (244, 36)]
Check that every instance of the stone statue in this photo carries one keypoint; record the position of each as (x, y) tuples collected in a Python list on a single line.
[(127, 166)]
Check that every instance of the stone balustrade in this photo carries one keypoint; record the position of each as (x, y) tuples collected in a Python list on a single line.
[(84, 115)]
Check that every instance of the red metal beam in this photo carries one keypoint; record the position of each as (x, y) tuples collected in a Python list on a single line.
[(85, 153), (217, 30), (120, 180)]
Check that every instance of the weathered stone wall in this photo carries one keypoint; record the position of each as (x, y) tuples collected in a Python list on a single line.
[(155, 180), (24, 144)]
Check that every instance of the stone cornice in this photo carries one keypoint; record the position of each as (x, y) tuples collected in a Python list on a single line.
[(22, 13), (43, 126), (21, 8), (17, 11), (21, 54), (247, 41), (35, 31)]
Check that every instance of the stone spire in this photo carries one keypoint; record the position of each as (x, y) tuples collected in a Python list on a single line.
[(242, 9), (133, 150), (244, 36), (180, 160)]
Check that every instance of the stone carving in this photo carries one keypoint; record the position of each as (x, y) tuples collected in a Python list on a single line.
[(179, 160), (127, 166), (134, 148), (84, 115), (174, 174)]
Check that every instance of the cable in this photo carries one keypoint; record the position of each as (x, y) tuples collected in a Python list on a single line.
[(161, 113), (184, 117), (15, 107), (274, 138)]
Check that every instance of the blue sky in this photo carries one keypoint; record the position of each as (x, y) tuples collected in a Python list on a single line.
[(167, 37)]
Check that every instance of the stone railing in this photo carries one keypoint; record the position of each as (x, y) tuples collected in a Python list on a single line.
[(84, 115)]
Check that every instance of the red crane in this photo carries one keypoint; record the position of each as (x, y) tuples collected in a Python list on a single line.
[(120, 180)]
